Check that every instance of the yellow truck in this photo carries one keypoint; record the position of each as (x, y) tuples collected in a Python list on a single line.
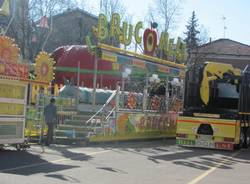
[(216, 111)]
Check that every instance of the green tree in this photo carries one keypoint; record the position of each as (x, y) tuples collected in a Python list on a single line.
[(192, 34)]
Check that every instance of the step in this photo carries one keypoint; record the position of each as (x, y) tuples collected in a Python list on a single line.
[(69, 141), (72, 127), (88, 113), (84, 117), (81, 123), (81, 117), (67, 113), (74, 122), (71, 134)]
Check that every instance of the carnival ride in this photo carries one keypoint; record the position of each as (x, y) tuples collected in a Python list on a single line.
[(70, 59), (112, 87), (129, 109), (126, 111)]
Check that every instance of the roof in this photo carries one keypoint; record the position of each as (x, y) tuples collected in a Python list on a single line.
[(70, 11), (225, 47)]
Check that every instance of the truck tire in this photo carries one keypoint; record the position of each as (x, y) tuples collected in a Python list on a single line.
[(18, 147), (242, 140), (246, 142), (248, 137)]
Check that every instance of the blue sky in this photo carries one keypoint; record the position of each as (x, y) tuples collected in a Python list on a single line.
[(209, 14)]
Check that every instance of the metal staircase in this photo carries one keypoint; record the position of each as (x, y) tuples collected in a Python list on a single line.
[(78, 127), (74, 129)]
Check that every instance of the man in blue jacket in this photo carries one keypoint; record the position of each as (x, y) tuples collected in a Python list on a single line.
[(50, 114)]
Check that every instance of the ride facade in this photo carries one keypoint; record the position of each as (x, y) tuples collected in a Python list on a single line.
[(125, 94)]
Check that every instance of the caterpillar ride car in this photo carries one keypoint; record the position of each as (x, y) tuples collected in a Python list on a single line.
[(216, 107)]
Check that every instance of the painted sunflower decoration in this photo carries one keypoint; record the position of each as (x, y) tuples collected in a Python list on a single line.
[(9, 51), (44, 67)]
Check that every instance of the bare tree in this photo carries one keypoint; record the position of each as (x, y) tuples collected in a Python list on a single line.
[(84, 6), (166, 13), (203, 35), (108, 7), (39, 8), (27, 16)]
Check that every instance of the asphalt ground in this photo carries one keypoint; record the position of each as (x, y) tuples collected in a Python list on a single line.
[(146, 162)]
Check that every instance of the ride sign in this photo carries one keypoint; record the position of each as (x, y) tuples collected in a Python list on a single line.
[(125, 32)]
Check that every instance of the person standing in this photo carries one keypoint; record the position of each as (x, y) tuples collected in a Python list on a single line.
[(50, 114)]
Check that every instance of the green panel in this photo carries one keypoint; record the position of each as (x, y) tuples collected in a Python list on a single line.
[(7, 130), (86, 71), (185, 142)]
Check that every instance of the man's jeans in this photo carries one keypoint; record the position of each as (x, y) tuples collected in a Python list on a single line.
[(50, 134)]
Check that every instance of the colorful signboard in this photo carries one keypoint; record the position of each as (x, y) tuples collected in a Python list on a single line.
[(128, 60), (164, 69), (144, 123), (139, 63), (138, 125), (14, 70), (108, 56), (125, 32)]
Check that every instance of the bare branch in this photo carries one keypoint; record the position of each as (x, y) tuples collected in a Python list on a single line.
[(166, 12)]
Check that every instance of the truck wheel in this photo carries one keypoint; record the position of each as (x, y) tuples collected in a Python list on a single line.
[(18, 147), (248, 137), (242, 140)]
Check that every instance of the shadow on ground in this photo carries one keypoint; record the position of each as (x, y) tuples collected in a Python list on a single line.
[(160, 151), (204, 159), (29, 162)]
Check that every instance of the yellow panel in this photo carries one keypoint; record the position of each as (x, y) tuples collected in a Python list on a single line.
[(221, 127), (115, 66), (11, 91), (109, 57), (11, 109)]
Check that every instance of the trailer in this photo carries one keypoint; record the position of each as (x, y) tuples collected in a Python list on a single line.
[(12, 113), (13, 95)]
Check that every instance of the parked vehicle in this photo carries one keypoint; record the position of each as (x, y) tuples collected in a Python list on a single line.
[(216, 107)]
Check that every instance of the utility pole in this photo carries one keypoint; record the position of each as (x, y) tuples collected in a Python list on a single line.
[(94, 83), (224, 26)]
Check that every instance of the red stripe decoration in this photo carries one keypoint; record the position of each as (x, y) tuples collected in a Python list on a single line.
[(214, 123)]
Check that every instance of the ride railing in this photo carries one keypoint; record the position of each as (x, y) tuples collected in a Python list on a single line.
[(100, 120), (144, 102)]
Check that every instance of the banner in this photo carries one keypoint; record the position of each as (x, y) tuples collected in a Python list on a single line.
[(140, 122), (164, 69), (14, 70), (108, 56), (139, 63)]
